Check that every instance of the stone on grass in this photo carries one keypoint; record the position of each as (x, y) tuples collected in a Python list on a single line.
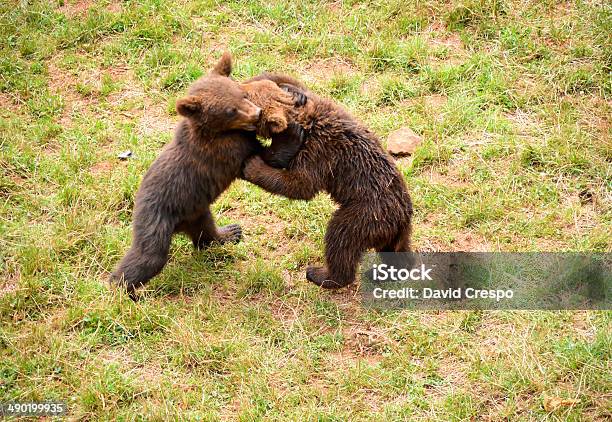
[(403, 141)]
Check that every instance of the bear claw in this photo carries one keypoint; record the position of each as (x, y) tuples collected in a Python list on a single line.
[(320, 277), (231, 233), (299, 97)]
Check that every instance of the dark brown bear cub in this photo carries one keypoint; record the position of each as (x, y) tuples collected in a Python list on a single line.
[(345, 159), (207, 153)]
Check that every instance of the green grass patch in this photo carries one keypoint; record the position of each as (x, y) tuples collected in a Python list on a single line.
[(512, 100)]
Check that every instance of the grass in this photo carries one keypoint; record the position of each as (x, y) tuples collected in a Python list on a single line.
[(513, 102)]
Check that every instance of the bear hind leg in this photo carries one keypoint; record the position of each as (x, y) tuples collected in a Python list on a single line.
[(343, 250), (339, 272), (397, 253), (145, 259)]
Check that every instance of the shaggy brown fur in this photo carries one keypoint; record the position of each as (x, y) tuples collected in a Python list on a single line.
[(206, 155), (278, 113), (345, 159), (276, 106)]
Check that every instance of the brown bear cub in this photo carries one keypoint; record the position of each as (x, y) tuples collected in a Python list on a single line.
[(207, 153), (344, 158)]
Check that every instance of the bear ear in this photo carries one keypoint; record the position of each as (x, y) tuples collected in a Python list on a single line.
[(188, 106), (224, 67)]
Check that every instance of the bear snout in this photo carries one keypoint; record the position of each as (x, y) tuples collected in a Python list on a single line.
[(251, 112)]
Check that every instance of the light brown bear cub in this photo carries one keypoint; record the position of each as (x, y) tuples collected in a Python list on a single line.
[(279, 111)]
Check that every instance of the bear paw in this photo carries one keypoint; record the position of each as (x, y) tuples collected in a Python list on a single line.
[(299, 96), (231, 233), (320, 277), (253, 168), (117, 282)]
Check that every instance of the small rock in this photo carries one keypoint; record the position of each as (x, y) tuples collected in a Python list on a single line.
[(125, 155), (403, 141)]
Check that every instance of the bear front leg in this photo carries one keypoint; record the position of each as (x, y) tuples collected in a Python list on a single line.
[(278, 79), (292, 183), (299, 95)]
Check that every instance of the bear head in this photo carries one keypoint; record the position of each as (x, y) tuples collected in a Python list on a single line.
[(215, 103), (276, 106)]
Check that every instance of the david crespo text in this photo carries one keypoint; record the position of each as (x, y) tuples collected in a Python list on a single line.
[(450, 293)]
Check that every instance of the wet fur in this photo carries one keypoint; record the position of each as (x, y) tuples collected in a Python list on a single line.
[(345, 159)]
